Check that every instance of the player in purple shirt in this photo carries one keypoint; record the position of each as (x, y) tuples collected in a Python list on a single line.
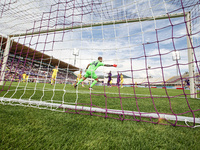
[(187, 83), (20, 77), (109, 78), (118, 79)]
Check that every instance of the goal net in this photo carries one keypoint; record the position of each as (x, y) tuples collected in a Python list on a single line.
[(45, 45)]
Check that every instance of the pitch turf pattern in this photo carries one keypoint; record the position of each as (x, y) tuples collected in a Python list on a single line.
[(28, 128), (107, 98), (131, 99)]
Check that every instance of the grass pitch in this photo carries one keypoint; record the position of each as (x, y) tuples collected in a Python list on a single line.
[(29, 128)]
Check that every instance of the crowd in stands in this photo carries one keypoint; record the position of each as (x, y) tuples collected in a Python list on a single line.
[(35, 72)]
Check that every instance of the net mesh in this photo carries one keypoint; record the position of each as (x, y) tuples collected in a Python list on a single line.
[(153, 42)]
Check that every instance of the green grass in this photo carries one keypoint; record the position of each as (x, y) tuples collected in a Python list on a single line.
[(29, 128)]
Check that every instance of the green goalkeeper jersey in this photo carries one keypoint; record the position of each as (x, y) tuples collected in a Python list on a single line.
[(94, 65)]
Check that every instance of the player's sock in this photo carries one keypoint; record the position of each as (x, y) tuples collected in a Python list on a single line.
[(93, 83), (51, 81), (81, 80)]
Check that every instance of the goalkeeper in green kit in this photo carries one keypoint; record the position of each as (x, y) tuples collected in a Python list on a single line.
[(90, 71)]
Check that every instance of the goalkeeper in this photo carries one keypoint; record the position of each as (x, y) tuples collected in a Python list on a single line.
[(90, 71)]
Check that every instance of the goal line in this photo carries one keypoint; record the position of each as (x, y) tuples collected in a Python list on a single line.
[(101, 110)]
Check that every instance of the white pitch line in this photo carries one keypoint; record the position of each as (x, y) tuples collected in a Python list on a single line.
[(95, 92)]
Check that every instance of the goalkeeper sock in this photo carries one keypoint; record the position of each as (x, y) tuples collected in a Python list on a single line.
[(93, 83), (81, 80)]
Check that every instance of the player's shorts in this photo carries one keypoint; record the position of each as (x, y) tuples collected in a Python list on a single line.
[(90, 73), (122, 81), (53, 76), (77, 79)]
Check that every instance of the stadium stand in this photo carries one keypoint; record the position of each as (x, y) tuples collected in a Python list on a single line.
[(36, 64)]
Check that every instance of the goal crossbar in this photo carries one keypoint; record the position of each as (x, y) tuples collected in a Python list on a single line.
[(101, 110), (104, 23)]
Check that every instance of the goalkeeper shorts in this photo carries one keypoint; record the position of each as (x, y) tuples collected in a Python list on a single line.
[(90, 74)]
